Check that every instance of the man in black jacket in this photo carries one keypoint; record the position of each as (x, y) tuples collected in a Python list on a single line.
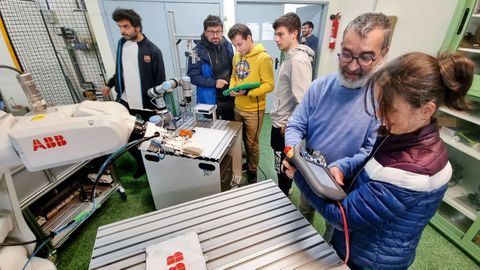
[(139, 66)]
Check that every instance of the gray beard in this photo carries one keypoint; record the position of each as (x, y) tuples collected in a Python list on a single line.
[(352, 84)]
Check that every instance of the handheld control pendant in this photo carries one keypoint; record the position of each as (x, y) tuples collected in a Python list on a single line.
[(315, 172), (244, 86)]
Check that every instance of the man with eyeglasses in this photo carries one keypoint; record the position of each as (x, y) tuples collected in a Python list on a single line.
[(332, 117), (308, 38), (211, 70)]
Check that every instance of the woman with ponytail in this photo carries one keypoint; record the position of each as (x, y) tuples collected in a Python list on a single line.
[(398, 189)]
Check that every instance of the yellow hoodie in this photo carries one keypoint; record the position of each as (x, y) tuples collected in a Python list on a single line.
[(256, 66)]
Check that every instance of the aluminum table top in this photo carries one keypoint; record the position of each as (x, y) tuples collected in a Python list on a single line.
[(252, 227)]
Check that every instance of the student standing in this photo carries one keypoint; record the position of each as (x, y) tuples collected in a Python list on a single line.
[(251, 63), (294, 78)]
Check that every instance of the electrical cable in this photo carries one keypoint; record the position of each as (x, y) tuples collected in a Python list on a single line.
[(162, 153), (116, 154), (26, 243), (84, 215), (12, 68), (152, 101), (83, 194), (366, 160), (345, 229), (256, 132), (119, 72), (234, 184), (34, 253), (342, 211), (264, 175), (258, 120)]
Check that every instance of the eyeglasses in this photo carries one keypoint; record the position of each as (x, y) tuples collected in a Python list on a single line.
[(362, 60), (215, 33)]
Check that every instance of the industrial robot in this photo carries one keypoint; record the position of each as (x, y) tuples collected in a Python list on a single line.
[(49, 137)]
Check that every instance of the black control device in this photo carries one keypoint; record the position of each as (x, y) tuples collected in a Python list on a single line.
[(315, 171)]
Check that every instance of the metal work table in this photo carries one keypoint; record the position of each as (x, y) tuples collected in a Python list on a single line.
[(247, 228), (228, 140), (178, 179)]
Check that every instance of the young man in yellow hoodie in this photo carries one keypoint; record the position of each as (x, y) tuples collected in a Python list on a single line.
[(251, 64)]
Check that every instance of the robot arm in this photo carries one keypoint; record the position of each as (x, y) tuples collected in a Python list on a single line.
[(64, 135), (51, 137), (157, 94)]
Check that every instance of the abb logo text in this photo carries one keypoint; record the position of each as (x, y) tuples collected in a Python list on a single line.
[(49, 142), (175, 261)]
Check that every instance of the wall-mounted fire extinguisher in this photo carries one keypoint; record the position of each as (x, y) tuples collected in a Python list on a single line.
[(333, 36)]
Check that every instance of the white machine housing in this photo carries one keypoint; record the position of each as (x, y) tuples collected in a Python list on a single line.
[(89, 129), (58, 136)]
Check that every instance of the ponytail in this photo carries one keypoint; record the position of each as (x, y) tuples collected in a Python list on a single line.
[(457, 76)]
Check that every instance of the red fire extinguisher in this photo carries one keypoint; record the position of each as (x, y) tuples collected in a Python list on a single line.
[(333, 36)]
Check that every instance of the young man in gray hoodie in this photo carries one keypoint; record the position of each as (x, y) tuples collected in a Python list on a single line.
[(293, 80)]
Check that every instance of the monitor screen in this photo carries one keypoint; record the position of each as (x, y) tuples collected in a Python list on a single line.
[(322, 176)]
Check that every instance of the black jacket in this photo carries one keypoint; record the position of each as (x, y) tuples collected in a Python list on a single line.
[(150, 65), (215, 62)]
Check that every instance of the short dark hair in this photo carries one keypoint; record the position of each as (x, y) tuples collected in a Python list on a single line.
[(212, 21), (239, 29), (129, 15), (309, 23), (291, 21)]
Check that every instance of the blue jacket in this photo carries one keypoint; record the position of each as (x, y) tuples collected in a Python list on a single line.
[(202, 72), (392, 200)]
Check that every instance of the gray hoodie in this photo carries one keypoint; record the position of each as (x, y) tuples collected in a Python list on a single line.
[(294, 78)]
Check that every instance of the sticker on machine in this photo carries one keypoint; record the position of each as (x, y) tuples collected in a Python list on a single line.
[(182, 253)]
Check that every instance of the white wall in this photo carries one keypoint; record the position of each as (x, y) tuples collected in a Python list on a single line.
[(100, 32), (421, 26), (229, 14), (349, 9), (9, 86)]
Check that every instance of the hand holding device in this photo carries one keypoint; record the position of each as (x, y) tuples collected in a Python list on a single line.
[(244, 86), (315, 171)]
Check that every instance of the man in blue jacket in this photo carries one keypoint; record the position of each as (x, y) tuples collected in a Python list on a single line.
[(210, 70), (139, 67), (331, 116)]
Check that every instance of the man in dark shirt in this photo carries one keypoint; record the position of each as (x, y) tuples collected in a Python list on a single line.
[(308, 38), (139, 67), (210, 70)]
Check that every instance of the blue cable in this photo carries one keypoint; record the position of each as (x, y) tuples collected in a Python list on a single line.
[(80, 218), (34, 253), (119, 70), (161, 153)]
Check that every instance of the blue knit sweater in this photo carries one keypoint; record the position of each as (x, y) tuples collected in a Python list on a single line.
[(333, 120)]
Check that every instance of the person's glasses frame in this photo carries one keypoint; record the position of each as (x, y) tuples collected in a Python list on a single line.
[(215, 33), (362, 60)]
